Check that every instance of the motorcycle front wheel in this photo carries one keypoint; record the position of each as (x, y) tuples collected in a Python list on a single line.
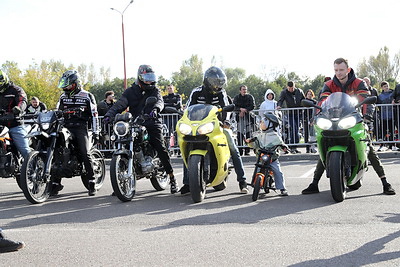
[(99, 169), (124, 186), (257, 185), (336, 176), (196, 180), (35, 186)]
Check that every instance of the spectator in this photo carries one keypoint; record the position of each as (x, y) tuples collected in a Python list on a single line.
[(309, 132), (35, 106), (373, 125), (386, 114), (244, 103), (172, 106), (396, 102), (106, 103), (292, 96)]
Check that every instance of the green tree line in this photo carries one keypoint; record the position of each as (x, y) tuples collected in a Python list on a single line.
[(41, 79)]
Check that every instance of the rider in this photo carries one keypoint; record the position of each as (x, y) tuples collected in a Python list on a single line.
[(13, 100), (135, 97), (212, 92), (75, 98), (345, 81)]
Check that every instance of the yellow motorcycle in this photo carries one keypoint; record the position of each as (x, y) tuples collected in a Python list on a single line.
[(204, 148)]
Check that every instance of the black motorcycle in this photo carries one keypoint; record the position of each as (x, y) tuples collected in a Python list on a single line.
[(134, 158), (55, 157)]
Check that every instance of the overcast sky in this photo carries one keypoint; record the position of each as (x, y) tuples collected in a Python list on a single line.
[(256, 35)]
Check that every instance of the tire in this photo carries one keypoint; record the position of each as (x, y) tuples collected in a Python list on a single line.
[(18, 179), (35, 186), (221, 186), (124, 187), (257, 185), (99, 169), (160, 180), (336, 176), (269, 184), (355, 186), (196, 180)]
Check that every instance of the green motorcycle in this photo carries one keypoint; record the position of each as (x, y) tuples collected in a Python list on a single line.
[(342, 139)]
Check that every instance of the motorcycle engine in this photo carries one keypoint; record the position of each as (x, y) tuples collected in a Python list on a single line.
[(147, 164)]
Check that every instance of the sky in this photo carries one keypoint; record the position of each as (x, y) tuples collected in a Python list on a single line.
[(260, 36)]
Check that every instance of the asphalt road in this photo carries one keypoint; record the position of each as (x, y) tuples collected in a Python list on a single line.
[(226, 229)]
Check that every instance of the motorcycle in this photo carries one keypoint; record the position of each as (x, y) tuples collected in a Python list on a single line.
[(55, 157), (10, 158), (342, 139), (204, 148), (134, 157)]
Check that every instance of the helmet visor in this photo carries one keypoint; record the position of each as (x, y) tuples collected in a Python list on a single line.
[(64, 82), (216, 82), (148, 77)]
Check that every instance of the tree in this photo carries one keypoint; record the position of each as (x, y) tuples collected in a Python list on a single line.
[(380, 68), (189, 77)]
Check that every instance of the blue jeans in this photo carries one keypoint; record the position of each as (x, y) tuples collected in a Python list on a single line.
[(294, 128), (237, 160), (18, 134), (278, 175)]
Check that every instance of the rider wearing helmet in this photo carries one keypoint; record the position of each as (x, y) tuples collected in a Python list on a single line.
[(13, 100), (134, 98), (75, 98), (212, 92)]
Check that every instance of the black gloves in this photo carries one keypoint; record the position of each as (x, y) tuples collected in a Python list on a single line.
[(106, 121), (154, 113), (16, 111), (95, 137)]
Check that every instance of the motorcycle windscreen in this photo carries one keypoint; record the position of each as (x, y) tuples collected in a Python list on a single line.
[(339, 105), (198, 112)]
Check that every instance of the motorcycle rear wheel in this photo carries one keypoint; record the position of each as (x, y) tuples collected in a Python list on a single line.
[(124, 187), (35, 186), (99, 169), (336, 176), (160, 180), (196, 178)]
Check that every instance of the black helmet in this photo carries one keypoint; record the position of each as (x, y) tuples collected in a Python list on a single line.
[(214, 79), (272, 120), (146, 75), (69, 81), (4, 81)]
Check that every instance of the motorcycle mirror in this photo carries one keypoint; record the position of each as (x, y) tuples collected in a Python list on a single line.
[(229, 108), (368, 100), (151, 100), (308, 104)]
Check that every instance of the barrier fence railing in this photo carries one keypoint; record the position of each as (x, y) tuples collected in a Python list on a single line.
[(296, 129)]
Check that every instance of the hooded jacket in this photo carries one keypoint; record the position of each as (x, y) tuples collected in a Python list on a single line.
[(268, 104)]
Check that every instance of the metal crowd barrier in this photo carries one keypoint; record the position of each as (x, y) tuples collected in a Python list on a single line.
[(297, 127)]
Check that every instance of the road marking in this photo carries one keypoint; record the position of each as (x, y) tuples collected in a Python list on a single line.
[(307, 174)]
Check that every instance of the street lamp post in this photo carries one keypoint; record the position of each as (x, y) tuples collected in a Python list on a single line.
[(123, 39)]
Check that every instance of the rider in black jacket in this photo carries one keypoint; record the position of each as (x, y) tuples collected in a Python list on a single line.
[(134, 98), (74, 97)]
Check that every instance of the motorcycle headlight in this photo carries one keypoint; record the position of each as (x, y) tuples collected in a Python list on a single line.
[(347, 123), (45, 126), (121, 128), (324, 124), (185, 129), (206, 128)]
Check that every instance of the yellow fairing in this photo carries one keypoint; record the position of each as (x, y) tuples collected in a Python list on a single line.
[(216, 138)]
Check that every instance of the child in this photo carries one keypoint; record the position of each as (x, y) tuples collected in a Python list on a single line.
[(268, 138)]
